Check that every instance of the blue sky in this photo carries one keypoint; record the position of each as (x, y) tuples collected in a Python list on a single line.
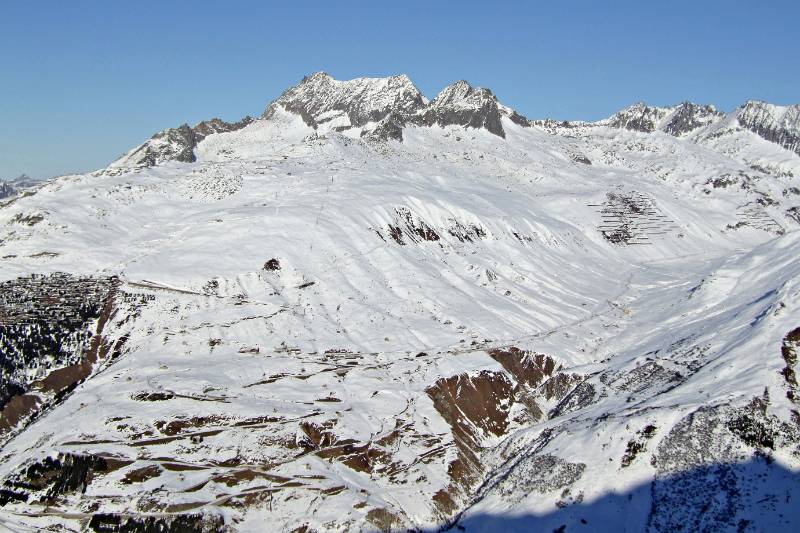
[(84, 81)]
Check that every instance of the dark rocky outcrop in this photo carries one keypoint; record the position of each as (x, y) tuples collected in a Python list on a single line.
[(15, 186), (392, 103), (319, 98), (639, 117), (53, 477), (794, 213), (790, 350), (461, 104), (176, 144), (272, 264), (679, 120), (390, 128), (687, 117), (473, 407), (6, 190)]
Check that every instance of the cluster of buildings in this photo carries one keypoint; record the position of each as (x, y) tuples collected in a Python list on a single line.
[(55, 299)]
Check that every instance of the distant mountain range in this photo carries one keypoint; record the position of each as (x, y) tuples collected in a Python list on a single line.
[(379, 108), (11, 187)]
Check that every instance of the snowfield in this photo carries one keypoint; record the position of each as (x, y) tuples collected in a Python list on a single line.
[(356, 313)]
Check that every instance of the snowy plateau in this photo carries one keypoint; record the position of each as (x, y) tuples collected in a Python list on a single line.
[(366, 310)]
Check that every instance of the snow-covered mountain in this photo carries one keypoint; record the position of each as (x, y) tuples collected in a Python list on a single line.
[(368, 311)]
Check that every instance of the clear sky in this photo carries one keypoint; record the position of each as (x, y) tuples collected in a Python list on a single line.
[(83, 81)]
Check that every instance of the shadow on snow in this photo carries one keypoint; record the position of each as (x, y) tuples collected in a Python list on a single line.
[(755, 496)]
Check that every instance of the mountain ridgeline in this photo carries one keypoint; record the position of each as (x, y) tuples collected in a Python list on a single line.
[(380, 108)]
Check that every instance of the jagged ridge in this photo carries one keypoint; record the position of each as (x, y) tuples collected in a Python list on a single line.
[(379, 109)]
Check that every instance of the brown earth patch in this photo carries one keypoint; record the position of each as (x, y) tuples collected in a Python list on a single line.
[(165, 440), (526, 367), (384, 520), (470, 405), (175, 427), (246, 475), (478, 406), (260, 498), (17, 409), (181, 467), (140, 475), (183, 507), (323, 442)]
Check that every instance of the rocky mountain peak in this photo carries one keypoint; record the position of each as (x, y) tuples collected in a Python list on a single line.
[(461, 104), (461, 93), (319, 98), (639, 117), (676, 120), (688, 116)]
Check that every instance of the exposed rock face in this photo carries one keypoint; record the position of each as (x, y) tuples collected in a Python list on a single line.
[(687, 117), (777, 124), (463, 105), (473, 406), (480, 406), (639, 117), (53, 477), (6, 190), (794, 214), (390, 127), (319, 98), (15, 186), (393, 103), (789, 353), (173, 144), (216, 125), (678, 120), (176, 144)]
